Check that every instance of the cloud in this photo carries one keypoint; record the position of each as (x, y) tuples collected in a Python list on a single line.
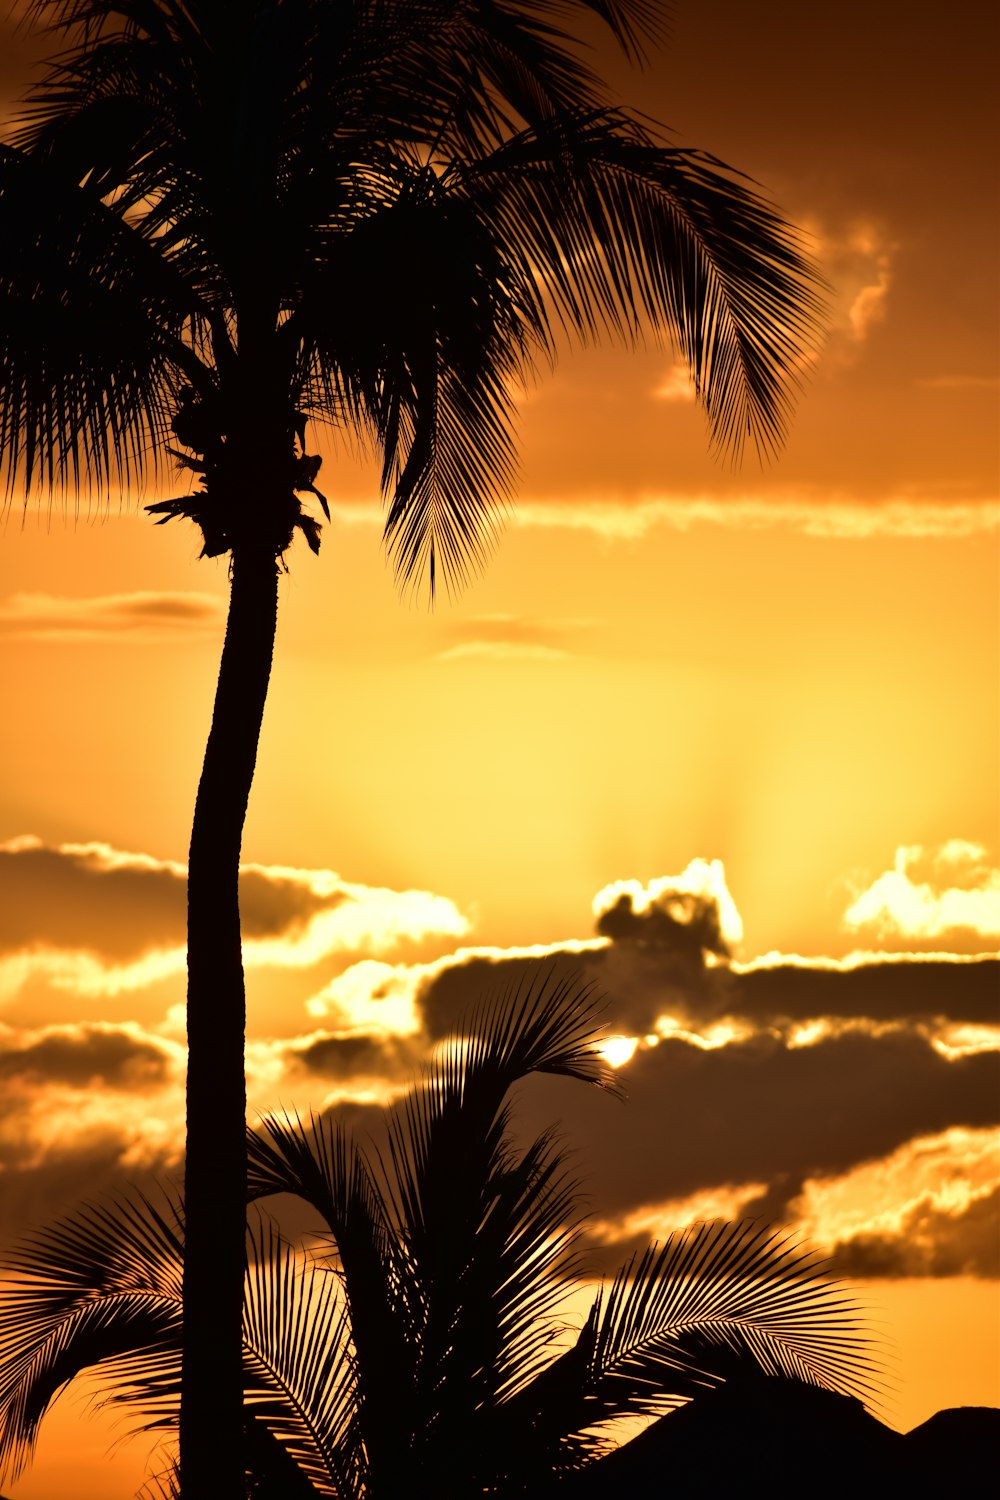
[(815, 511), (931, 1208), (949, 896), (83, 1109), (930, 1241), (434, 997), (879, 988), (661, 958), (752, 1087), (357, 1057), (135, 618), (101, 920), (523, 651), (501, 637), (858, 262), (92, 1056), (868, 306), (663, 975), (676, 385), (736, 1078), (692, 913), (822, 514), (761, 1111), (88, 897)]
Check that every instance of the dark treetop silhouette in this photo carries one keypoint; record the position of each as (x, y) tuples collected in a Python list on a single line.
[(219, 222), (417, 1351)]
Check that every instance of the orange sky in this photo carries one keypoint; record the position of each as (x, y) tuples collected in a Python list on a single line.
[(793, 671)]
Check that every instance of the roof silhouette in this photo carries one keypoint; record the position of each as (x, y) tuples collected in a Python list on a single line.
[(775, 1430)]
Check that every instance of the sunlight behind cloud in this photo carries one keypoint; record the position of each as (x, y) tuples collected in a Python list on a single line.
[(895, 1203), (705, 878), (958, 892), (657, 1221)]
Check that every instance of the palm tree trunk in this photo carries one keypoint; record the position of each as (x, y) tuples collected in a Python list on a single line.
[(211, 1421)]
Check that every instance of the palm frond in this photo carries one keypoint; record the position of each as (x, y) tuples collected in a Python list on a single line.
[(300, 1365), (489, 1230), (633, 239), (95, 339), (713, 1300), (323, 1165), (101, 1288)]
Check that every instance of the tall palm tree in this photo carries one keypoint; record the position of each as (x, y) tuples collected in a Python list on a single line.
[(421, 1347), (218, 223)]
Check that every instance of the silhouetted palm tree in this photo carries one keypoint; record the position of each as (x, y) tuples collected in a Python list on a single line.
[(217, 222), (421, 1347)]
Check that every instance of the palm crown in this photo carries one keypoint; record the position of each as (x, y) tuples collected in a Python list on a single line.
[(383, 214), (417, 1349)]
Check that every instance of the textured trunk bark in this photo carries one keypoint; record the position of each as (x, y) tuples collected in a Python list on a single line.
[(211, 1422)]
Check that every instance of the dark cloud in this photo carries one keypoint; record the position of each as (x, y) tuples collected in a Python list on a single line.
[(274, 904), (662, 971), (86, 1057), (68, 899), (46, 1172), (136, 617), (880, 991), (78, 899), (37, 1191), (761, 1111), (930, 1242), (453, 993), (359, 1055), (683, 926), (655, 963)]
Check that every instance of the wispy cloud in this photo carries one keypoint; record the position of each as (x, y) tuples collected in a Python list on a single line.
[(130, 618), (858, 261), (521, 651), (503, 637), (810, 511), (819, 515), (676, 385)]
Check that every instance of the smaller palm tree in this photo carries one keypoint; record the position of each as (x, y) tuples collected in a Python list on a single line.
[(421, 1347)]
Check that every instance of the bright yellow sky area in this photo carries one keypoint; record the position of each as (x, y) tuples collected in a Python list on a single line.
[(589, 709), (793, 671)]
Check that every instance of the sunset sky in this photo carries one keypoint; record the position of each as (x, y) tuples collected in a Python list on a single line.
[(677, 692)]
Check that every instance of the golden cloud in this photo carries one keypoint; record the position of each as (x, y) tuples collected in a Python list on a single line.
[(834, 515), (929, 1208), (676, 385), (930, 895), (703, 879), (103, 921)]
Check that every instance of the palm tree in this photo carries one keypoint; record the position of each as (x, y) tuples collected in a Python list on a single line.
[(421, 1347), (217, 225)]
